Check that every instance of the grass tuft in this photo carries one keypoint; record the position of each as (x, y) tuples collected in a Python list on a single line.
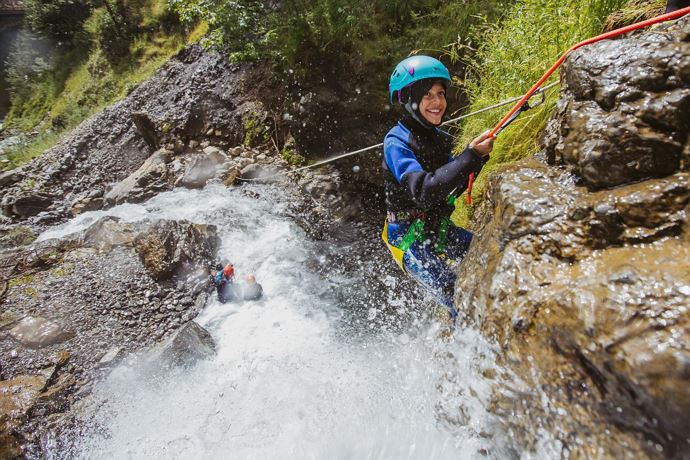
[(515, 53)]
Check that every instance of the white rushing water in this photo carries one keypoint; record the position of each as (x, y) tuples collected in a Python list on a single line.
[(288, 380)]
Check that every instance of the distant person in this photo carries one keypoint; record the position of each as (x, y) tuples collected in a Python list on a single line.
[(251, 289), (675, 5), (224, 283)]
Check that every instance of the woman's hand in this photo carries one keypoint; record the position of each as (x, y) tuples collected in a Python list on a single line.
[(483, 144)]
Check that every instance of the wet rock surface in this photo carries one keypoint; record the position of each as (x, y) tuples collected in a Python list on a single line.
[(92, 296), (196, 98), (188, 345), (624, 114), (584, 286)]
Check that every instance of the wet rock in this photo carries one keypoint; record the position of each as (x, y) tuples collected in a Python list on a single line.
[(188, 345), (586, 290), (36, 332), (618, 120), (231, 177), (170, 247), (110, 356), (257, 171), (144, 183), (203, 168), (85, 205)]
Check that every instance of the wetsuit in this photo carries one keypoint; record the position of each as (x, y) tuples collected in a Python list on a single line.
[(419, 174), (224, 287)]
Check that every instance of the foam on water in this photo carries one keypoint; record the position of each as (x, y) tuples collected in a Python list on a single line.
[(286, 383)]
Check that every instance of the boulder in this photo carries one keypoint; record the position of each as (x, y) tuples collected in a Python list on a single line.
[(11, 177), (257, 171), (170, 248), (37, 332), (30, 204), (108, 232), (618, 121), (142, 184), (188, 345), (202, 168)]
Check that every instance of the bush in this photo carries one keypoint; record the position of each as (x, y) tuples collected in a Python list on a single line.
[(62, 20)]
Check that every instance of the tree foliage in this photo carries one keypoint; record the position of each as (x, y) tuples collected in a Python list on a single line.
[(62, 20), (303, 32)]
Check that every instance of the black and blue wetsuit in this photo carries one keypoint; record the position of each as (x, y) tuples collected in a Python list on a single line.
[(420, 173)]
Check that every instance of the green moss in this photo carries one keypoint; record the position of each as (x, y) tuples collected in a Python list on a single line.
[(20, 235), (255, 131), (63, 270), (21, 281), (290, 154)]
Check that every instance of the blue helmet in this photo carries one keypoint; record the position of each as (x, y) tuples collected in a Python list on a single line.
[(413, 69)]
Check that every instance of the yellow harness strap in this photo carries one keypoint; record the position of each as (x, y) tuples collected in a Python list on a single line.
[(397, 253)]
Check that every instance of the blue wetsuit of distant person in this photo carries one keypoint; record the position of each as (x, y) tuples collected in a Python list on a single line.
[(419, 174)]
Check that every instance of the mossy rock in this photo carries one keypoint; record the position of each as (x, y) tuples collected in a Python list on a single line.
[(289, 153)]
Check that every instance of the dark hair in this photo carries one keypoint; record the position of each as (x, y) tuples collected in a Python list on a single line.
[(418, 89)]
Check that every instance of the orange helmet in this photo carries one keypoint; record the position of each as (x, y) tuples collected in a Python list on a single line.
[(229, 271)]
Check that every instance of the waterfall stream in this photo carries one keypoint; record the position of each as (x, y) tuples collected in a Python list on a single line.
[(297, 374)]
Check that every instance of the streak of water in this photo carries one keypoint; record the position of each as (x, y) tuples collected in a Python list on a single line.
[(286, 381)]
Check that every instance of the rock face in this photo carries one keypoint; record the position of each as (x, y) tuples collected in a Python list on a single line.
[(188, 345), (625, 115), (111, 290), (580, 270), (196, 97)]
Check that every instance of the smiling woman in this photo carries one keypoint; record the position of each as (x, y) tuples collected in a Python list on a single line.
[(422, 177), (433, 104)]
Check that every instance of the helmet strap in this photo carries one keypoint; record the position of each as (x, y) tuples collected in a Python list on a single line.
[(412, 108)]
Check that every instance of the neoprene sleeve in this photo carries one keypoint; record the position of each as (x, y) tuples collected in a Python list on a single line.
[(429, 188)]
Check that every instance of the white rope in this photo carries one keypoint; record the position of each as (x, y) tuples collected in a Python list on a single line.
[(372, 147)]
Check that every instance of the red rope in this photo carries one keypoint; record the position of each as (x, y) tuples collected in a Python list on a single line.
[(469, 189), (613, 33)]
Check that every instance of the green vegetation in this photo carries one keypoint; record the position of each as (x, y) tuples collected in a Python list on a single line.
[(364, 35), (63, 270), (20, 235), (289, 153), (255, 131), (108, 49), (514, 54), (19, 281)]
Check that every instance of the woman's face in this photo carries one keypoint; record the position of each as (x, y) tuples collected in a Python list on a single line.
[(433, 104)]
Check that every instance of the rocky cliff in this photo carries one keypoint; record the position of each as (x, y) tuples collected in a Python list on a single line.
[(580, 271)]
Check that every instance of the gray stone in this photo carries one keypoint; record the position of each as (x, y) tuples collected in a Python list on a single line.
[(203, 168), (145, 182), (188, 345), (37, 332)]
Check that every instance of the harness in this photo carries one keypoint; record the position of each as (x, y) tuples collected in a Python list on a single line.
[(415, 232)]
